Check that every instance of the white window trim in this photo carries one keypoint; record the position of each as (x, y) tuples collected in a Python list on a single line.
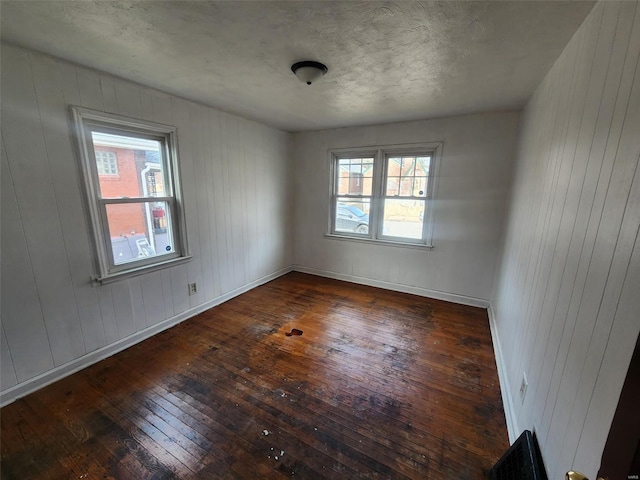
[(107, 270), (380, 153)]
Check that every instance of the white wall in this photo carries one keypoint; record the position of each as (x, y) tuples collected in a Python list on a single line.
[(566, 308), (472, 191), (236, 179)]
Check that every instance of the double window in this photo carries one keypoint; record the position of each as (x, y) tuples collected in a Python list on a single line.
[(131, 175), (384, 193)]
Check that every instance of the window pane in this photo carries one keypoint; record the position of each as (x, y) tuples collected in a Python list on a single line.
[(355, 176), (394, 167), (128, 166), (406, 186), (139, 230), (408, 166), (407, 176), (420, 187), (403, 218), (393, 186), (422, 166), (352, 215)]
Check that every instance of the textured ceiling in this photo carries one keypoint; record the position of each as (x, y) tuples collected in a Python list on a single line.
[(388, 61)]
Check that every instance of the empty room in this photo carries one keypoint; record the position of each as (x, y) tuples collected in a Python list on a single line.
[(320, 239)]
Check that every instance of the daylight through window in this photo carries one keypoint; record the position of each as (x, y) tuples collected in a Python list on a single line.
[(130, 170), (384, 193)]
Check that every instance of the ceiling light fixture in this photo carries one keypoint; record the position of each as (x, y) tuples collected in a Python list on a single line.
[(309, 71)]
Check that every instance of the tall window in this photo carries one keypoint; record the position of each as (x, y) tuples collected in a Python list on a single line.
[(131, 174), (384, 193)]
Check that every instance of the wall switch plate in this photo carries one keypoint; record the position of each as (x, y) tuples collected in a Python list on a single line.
[(523, 387), (193, 288)]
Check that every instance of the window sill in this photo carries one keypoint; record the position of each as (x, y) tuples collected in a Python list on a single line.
[(372, 241), (134, 272)]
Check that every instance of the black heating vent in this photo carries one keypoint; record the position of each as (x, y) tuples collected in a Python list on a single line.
[(522, 461)]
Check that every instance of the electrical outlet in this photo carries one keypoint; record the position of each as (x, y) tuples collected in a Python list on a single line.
[(193, 288), (523, 387)]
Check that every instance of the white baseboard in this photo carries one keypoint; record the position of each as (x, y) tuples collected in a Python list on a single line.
[(423, 292), (505, 389), (20, 390)]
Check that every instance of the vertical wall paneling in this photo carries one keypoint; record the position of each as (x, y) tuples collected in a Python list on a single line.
[(108, 90), (152, 299), (54, 320), (69, 182), (22, 318), (212, 208), (591, 223), (233, 169), (107, 311), (90, 89), (602, 281), (203, 208), (162, 110), (251, 211), (226, 201), (167, 294), (562, 306), (128, 99), (217, 183), (584, 197), (262, 219), (27, 157), (244, 165), (66, 184), (184, 111), (138, 311), (123, 308), (620, 214), (561, 160), (603, 401), (179, 282), (569, 189), (8, 376)]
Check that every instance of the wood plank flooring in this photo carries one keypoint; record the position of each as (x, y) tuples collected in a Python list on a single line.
[(379, 385)]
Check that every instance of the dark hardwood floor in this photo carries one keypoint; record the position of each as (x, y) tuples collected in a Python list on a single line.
[(379, 385)]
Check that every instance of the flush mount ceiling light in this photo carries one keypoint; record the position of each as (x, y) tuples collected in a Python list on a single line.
[(309, 71)]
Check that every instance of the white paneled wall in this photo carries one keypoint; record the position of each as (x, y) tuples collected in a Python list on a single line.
[(567, 303), (473, 187), (236, 176)]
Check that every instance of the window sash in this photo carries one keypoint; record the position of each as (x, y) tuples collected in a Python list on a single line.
[(167, 151), (87, 122), (378, 199), (143, 261), (357, 198)]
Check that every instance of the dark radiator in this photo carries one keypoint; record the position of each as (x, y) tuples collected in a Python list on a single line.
[(522, 461)]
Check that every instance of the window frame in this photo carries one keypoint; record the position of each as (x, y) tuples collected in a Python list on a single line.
[(381, 155), (87, 121)]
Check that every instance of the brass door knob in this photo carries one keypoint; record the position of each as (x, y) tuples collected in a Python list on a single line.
[(571, 475)]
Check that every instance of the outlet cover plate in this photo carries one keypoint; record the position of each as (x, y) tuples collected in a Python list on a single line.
[(523, 387)]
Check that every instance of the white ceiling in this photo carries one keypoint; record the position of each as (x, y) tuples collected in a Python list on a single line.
[(388, 61)]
